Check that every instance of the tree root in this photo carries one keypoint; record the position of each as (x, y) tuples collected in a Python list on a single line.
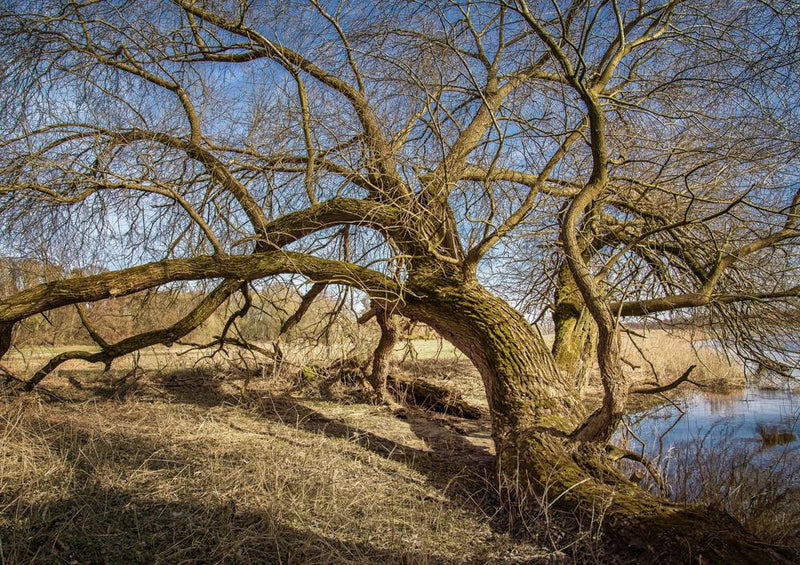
[(635, 523)]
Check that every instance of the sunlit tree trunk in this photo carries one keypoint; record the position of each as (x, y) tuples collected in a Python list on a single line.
[(524, 388), (534, 407), (575, 341), (382, 355)]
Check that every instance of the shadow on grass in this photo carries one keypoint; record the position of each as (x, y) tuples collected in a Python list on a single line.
[(450, 461), (112, 526), (72, 529), (447, 453), (461, 472), (125, 498)]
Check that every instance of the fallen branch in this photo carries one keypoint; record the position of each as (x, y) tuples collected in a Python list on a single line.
[(433, 397), (667, 387), (11, 377)]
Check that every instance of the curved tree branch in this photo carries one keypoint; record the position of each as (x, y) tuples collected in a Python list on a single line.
[(667, 387), (166, 336), (124, 282)]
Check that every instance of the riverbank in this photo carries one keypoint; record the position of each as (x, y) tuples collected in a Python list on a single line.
[(659, 358), (165, 465), (652, 359)]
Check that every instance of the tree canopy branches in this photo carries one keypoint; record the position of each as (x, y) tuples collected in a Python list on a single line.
[(604, 159)]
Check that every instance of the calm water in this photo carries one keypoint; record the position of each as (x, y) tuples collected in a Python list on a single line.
[(709, 447), (713, 417)]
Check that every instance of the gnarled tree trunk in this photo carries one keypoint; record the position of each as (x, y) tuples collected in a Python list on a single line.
[(524, 389), (575, 342), (535, 408)]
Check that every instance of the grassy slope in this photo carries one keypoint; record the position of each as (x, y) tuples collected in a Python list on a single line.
[(183, 470), (187, 473)]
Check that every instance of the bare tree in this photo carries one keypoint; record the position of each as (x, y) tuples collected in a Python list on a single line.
[(700, 208), (400, 149)]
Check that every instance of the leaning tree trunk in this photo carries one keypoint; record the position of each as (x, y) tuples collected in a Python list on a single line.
[(524, 389), (535, 407), (377, 377), (575, 342)]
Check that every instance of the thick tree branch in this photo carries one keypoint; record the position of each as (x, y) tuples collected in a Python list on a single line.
[(695, 300), (124, 282), (388, 219), (166, 336)]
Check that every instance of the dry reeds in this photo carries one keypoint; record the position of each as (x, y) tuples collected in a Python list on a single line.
[(757, 486), (772, 435), (666, 356)]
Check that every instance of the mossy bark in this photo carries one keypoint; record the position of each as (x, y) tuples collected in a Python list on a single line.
[(535, 407), (575, 342), (640, 527), (524, 388)]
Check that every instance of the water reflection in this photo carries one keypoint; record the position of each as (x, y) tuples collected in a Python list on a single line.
[(707, 449), (712, 417)]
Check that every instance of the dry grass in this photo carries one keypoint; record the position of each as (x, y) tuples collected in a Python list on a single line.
[(759, 487), (175, 466), (667, 356), (657, 357), (182, 470)]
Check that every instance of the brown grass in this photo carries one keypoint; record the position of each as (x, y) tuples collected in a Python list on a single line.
[(180, 469), (172, 464), (666, 356)]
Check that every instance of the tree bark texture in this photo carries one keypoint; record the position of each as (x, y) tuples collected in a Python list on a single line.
[(535, 408), (575, 342), (524, 388), (382, 355)]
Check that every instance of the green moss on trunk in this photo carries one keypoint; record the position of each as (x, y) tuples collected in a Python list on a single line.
[(575, 342), (534, 407)]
